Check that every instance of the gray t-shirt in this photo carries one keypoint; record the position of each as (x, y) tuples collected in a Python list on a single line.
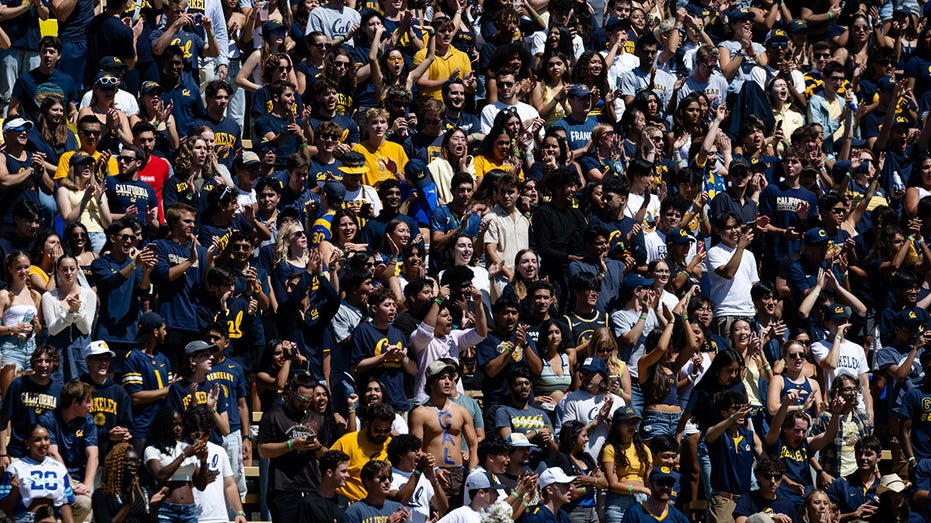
[(332, 22), (622, 321)]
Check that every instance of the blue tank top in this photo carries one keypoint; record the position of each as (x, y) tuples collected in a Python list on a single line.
[(804, 389), (671, 397)]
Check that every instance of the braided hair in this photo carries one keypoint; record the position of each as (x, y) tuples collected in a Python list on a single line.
[(114, 471)]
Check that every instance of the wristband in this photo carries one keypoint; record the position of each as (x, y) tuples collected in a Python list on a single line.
[(290, 444), (418, 472), (630, 490), (322, 275), (643, 317), (731, 417), (767, 367), (211, 37), (240, 513), (910, 459), (438, 301), (830, 15)]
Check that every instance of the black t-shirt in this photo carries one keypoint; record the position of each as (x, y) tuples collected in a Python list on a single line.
[(315, 508), (293, 471), (106, 506)]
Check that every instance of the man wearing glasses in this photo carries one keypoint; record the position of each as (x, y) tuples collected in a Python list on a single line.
[(764, 500), (827, 107), (705, 78), (288, 438), (89, 130), (127, 196), (364, 446), (376, 476)]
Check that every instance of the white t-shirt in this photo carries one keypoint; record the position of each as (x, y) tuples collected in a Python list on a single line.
[(419, 504), (731, 297), (583, 406), (852, 361), (524, 111), (363, 194), (122, 100), (634, 201), (462, 515), (211, 502), (185, 472)]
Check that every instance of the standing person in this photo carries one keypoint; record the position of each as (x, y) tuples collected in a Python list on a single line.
[(837, 355), (915, 431), (108, 35), (731, 269), (591, 405), (112, 408), (221, 497), (129, 197), (324, 504), (26, 176), (765, 499), (556, 226), (69, 311), (73, 441), (21, 26), (482, 491), (177, 464), (194, 389), (227, 133), (854, 493), (23, 99), (375, 506), (364, 446), (731, 447), (123, 282), (146, 375), (414, 480), (443, 425), (504, 349), (337, 21), (22, 321), (180, 273), (379, 349), (556, 492), (26, 400), (288, 436), (626, 462), (657, 507)]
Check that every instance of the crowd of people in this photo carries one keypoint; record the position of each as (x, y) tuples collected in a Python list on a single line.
[(538, 261)]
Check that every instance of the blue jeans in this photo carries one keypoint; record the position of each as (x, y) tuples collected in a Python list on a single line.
[(704, 465), (657, 423), (175, 513), (636, 395), (617, 504), (98, 240), (15, 62)]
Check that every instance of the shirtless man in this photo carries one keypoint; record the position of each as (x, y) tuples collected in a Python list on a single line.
[(441, 424)]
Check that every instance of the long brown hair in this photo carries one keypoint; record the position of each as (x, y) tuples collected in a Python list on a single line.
[(54, 134)]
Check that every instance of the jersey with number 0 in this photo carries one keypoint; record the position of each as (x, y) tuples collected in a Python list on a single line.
[(46, 479)]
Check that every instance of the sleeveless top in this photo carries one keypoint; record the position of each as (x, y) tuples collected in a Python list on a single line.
[(804, 388), (548, 381), (559, 112), (752, 383), (90, 218), (671, 397), (17, 314)]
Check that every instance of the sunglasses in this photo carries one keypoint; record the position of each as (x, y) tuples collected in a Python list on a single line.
[(340, 64), (329, 137), (124, 158), (432, 121), (796, 355), (395, 60), (822, 55), (770, 477), (506, 84), (286, 68), (18, 130), (89, 132), (128, 237), (779, 44), (302, 398), (108, 81), (79, 235), (298, 234), (241, 247), (322, 45)]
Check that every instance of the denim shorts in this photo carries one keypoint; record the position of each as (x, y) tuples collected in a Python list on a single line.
[(175, 513), (657, 423), (17, 351), (617, 504)]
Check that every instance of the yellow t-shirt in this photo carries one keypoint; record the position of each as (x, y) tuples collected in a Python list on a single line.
[(636, 471), (442, 68), (64, 163), (376, 161), (360, 451), (484, 164)]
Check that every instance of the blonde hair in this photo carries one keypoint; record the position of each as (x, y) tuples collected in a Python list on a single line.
[(282, 247), (602, 335)]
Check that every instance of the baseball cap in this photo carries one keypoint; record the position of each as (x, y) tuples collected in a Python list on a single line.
[(248, 159), (910, 318), (97, 348), (481, 479), (886, 82), (737, 162), (554, 475), (659, 473), (777, 34), (334, 191), (625, 413), (197, 346), (439, 367), (595, 364), (616, 23), (836, 312), (80, 157), (149, 86), (579, 91), (17, 124), (816, 236), (271, 26), (148, 322), (111, 62), (516, 439), (634, 280), (416, 170), (738, 15), (353, 163), (679, 236), (797, 25)]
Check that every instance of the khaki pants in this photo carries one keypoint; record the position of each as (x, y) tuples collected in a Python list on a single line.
[(899, 462), (81, 508), (721, 509)]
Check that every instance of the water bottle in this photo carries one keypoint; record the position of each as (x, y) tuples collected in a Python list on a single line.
[(897, 184)]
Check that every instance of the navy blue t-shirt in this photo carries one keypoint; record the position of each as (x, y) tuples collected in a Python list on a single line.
[(119, 300), (121, 194), (107, 35), (849, 493), (578, 133), (143, 372), (178, 298), (780, 203), (73, 30), (269, 123), (494, 388), (188, 105), (755, 503), (345, 122), (72, 439), (227, 137), (24, 90), (732, 461), (368, 341), (24, 403)]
